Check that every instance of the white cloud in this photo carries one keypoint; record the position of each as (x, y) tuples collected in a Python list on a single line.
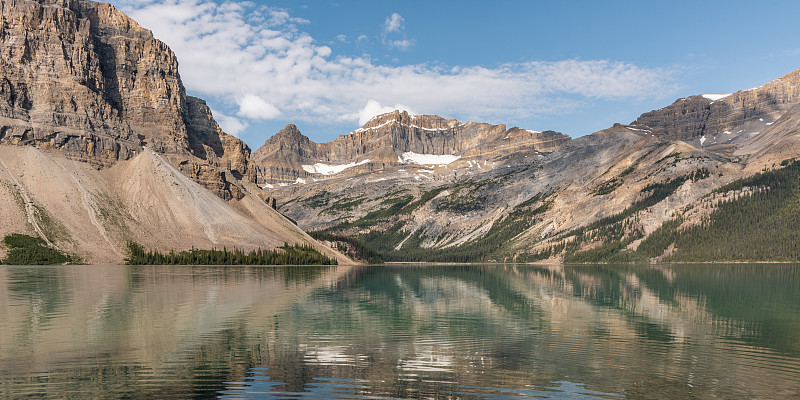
[(252, 106), (374, 108), (403, 44), (393, 36), (238, 55), (394, 23), (229, 124)]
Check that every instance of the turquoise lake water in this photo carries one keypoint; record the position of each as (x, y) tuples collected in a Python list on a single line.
[(387, 332)]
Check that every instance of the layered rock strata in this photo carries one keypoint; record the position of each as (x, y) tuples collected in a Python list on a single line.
[(382, 141), (83, 79), (743, 112)]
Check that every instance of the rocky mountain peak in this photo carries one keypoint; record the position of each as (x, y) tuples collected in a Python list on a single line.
[(403, 118), (290, 131), (288, 142)]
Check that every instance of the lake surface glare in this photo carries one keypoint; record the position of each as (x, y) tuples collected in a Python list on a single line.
[(401, 331)]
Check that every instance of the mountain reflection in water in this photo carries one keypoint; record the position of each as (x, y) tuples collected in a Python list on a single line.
[(494, 331)]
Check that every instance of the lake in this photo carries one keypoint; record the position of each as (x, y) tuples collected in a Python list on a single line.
[(386, 332)]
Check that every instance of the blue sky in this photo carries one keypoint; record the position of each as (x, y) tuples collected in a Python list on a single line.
[(571, 66)]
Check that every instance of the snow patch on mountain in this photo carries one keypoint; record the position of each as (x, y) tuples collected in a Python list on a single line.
[(326, 169), (715, 97), (426, 159)]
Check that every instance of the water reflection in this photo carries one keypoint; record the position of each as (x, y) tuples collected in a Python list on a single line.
[(727, 331)]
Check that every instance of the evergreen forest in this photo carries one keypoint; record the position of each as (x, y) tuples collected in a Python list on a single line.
[(29, 250), (285, 255), (752, 219)]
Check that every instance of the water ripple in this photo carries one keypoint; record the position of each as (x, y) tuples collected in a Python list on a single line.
[(391, 332)]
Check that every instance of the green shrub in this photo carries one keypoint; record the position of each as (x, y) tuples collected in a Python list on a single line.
[(29, 250)]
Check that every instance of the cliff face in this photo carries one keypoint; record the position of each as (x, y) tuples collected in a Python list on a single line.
[(79, 80), (382, 141), (745, 112), (83, 79)]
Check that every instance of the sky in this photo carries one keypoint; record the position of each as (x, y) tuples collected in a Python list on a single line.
[(571, 66)]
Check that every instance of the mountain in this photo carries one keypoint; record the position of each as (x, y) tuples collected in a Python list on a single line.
[(424, 188), (100, 143), (717, 120), (82, 78), (390, 141)]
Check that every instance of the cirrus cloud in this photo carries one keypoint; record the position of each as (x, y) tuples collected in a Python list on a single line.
[(241, 54), (394, 23)]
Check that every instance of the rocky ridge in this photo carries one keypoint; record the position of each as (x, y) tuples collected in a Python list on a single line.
[(709, 120), (382, 142)]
